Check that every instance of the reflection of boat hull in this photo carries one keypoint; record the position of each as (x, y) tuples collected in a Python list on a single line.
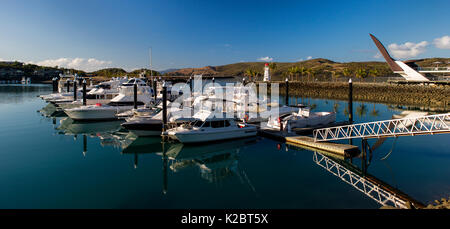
[(144, 145), (73, 127), (187, 152), (95, 113), (146, 133), (144, 127)]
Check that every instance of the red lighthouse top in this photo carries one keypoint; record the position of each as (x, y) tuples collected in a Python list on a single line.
[(267, 64)]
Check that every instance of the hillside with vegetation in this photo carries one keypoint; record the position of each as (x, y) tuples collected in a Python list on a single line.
[(319, 68), (13, 70), (309, 70), (118, 72)]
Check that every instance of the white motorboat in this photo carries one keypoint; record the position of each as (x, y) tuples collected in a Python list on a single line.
[(101, 93), (263, 113), (152, 124), (208, 127), (62, 88), (121, 103), (301, 119), (139, 112)]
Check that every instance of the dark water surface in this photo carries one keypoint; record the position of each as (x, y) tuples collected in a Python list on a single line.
[(52, 162)]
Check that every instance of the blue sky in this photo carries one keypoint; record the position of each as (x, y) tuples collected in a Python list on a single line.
[(188, 33)]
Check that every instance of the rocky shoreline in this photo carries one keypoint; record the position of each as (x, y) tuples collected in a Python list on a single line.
[(432, 96)]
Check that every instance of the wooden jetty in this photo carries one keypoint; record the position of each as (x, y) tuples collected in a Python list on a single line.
[(309, 143)]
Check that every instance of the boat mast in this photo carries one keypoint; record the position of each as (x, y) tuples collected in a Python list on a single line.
[(151, 70)]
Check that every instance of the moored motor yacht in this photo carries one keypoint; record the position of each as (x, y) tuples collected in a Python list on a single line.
[(302, 118), (122, 102), (100, 93), (210, 126), (152, 124)]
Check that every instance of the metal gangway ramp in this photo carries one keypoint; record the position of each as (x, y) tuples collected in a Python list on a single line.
[(422, 125), (370, 186)]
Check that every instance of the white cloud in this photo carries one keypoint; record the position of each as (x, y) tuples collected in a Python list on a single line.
[(267, 59), (88, 65), (377, 55), (442, 42), (408, 49), (309, 57), (301, 59)]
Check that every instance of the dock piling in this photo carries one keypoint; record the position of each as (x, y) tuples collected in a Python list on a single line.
[(350, 101), (68, 86), (135, 95), (164, 105), (55, 84), (154, 88), (74, 90), (84, 92), (287, 92)]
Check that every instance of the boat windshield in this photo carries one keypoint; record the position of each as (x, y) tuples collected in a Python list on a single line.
[(104, 86), (217, 124), (198, 123)]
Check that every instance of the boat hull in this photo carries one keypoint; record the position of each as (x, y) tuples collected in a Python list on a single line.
[(319, 119), (200, 137), (95, 114)]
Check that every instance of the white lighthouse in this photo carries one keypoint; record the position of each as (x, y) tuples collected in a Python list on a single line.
[(266, 72)]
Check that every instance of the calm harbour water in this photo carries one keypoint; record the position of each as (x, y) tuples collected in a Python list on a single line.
[(52, 162)]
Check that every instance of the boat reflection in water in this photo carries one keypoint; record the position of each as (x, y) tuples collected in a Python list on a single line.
[(71, 127), (109, 133), (51, 110), (215, 161)]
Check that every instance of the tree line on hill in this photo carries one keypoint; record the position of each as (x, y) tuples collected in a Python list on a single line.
[(303, 73), (327, 70), (310, 70), (16, 70)]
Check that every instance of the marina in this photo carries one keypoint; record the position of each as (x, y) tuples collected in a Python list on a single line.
[(224, 113), (234, 173)]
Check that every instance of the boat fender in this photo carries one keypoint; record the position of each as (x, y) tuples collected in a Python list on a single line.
[(98, 104)]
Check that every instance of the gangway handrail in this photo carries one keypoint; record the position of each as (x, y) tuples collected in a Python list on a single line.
[(429, 124)]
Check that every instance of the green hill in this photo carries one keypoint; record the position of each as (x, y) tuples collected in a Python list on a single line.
[(317, 68)]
